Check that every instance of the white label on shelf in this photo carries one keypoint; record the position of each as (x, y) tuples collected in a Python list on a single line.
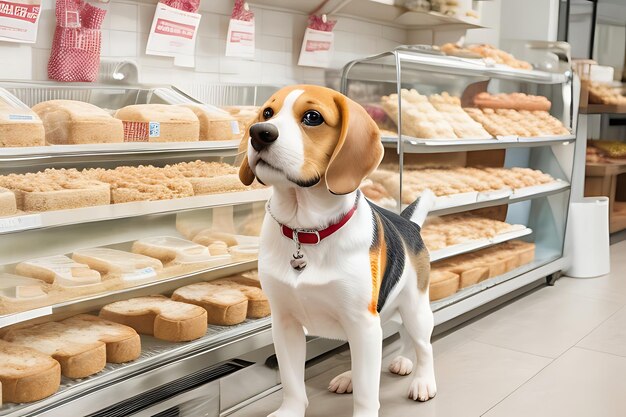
[(155, 129), (21, 117), (140, 275), (11, 224), (234, 126)]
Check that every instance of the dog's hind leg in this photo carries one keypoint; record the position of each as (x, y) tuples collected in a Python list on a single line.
[(418, 320), (401, 364)]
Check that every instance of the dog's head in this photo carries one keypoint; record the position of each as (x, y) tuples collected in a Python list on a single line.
[(305, 134)]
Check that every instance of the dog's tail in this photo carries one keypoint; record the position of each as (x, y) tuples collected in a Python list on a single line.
[(418, 210)]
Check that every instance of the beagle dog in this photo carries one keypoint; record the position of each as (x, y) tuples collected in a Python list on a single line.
[(332, 263)]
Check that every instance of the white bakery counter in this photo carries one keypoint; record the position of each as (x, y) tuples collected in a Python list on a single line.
[(59, 218), (123, 150), (416, 145)]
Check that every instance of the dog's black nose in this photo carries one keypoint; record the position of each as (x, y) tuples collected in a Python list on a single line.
[(262, 135)]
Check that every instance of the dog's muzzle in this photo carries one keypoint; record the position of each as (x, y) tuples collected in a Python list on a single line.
[(262, 135)]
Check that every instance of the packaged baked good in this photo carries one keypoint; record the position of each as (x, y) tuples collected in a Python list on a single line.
[(215, 124), (58, 270), (172, 250), (160, 317), (75, 122), (158, 123), (81, 344), (130, 267), (8, 204), (19, 125), (55, 189), (26, 374)]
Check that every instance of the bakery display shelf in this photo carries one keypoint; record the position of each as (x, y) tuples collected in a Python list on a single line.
[(497, 198), (385, 11), (130, 149), (470, 298), (603, 109), (167, 359), (414, 60), (415, 145), (124, 210), (159, 286), (473, 245)]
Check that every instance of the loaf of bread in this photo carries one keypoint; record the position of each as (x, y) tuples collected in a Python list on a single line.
[(209, 177), (442, 284), (116, 263), (75, 122), (158, 123), (26, 374), (159, 316), (258, 304), (59, 270), (81, 344), (245, 115), (8, 204), (19, 126), (55, 189), (215, 125), (224, 306), (172, 250), (475, 267)]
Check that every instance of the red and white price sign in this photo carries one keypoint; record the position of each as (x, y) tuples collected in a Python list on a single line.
[(240, 39), (317, 48), (173, 34), (19, 20)]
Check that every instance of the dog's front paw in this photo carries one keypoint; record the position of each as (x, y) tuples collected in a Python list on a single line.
[(341, 384), (422, 389), (401, 366)]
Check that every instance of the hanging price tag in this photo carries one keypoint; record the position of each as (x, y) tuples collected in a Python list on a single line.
[(173, 33), (317, 48), (19, 20), (240, 40)]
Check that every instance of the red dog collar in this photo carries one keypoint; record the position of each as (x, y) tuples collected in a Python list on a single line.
[(314, 236)]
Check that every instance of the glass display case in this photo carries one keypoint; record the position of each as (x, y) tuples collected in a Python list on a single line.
[(495, 144)]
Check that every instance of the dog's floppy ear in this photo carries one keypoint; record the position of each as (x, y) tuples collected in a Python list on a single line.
[(245, 172), (358, 151)]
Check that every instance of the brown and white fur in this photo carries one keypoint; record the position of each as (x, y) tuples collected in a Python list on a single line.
[(372, 269)]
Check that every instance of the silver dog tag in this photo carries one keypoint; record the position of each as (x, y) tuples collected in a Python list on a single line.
[(298, 262)]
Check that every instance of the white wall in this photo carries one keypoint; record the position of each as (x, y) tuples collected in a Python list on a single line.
[(278, 40)]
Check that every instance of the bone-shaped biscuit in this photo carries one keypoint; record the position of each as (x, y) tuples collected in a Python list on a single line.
[(159, 316), (81, 344)]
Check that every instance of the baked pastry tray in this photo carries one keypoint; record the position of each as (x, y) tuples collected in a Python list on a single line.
[(473, 245), (27, 221), (154, 352)]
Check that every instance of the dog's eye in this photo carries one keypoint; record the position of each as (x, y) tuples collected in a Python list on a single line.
[(268, 113), (312, 118)]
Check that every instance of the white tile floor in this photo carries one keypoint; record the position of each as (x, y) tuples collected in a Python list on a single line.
[(559, 351)]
